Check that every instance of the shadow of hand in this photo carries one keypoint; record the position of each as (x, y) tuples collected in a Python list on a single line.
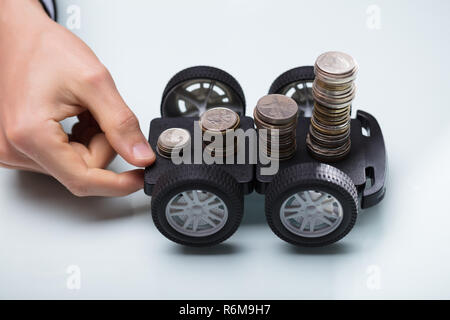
[(45, 191)]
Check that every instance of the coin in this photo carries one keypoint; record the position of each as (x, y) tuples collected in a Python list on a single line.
[(335, 68), (277, 109), (329, 121), (335, 62), (329, 130), (217, 123), (327, 154), (332, 112), (218, 119), (278, 115), (325, 141), (333, 101), (172, 139)]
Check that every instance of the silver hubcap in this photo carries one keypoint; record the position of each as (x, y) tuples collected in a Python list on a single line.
[(311, 213), (194, 97), (196, 213), (301, 92)]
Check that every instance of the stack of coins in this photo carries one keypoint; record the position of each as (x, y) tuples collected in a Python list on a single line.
[(277, 114), (328, 138), (218, 122), (173, 140)]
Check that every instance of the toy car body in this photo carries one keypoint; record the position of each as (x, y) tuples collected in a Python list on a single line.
[(307, 203)]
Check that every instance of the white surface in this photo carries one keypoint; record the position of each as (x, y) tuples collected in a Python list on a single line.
[(399, 249)]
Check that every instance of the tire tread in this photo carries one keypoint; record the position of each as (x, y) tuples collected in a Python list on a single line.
[(198, 174), (207, 72), (312, 173), (303, 73)]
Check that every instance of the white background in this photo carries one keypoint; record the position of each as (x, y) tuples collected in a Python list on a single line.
[(399, 249)]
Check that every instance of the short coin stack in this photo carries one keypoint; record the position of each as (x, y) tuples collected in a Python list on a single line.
[(278, 114), (328, 138), (172, 141), (217, 123)]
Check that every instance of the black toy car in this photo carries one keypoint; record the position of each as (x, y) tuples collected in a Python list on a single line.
[(308, 203)]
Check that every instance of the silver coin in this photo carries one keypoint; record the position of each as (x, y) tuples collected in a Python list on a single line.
[(174, 138), (336, 63), (219, 119), (332, 101)]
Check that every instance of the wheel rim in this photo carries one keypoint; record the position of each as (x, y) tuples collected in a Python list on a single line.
[(311, 213), (301, 92), (193, 97), (196, 213)]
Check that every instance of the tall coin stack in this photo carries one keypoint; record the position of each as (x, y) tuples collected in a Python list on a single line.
[(218, 122), (328, 138), (278, 114)]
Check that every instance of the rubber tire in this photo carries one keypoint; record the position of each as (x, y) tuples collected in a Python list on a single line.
[(309, 176), (305, 73), (203, 72), (200, 177)]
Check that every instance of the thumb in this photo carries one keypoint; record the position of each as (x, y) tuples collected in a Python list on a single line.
[(120, 125)]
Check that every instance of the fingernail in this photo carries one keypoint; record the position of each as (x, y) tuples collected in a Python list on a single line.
[(142, 151)]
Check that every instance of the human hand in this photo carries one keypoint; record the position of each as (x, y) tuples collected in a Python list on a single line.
[(47, 74)]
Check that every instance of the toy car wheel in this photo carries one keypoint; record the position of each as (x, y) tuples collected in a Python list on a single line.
[(297, 84), (311, 204), (194, 90), (197, 205)]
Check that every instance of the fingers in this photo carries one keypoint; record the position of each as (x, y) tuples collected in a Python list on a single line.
[(85, 129), (110, 184), (98, 93), (83, 181), (98, 153), (70, 164)]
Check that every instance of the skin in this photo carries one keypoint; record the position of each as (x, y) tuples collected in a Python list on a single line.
[(47, 74)]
